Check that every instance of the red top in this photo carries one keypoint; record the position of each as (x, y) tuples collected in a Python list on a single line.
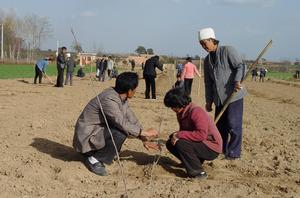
[(189, 71), (196, 125)]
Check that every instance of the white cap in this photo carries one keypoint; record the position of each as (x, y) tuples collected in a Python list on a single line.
[(68, 55), (206, 33)]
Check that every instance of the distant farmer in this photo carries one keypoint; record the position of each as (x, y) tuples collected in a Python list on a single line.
[(149, 75), (100, 66), (223, 72), (179, 82), (188, 73), (262, 74), (197, 139), (104, 68), (132, 62), (254, 74), (143, 65), (110, 66), (71, 64), (61, 64), (98, 61), (297, 74), (40, 69), (92, 137), (179, 68), (80, 72)]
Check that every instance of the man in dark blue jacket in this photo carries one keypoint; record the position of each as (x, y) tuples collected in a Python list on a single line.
[(150, 75), (61, 63)]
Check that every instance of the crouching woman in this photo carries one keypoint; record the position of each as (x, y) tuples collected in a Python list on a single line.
[(197, 139)]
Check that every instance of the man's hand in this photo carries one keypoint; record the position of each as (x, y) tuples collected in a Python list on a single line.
[(237, 86), (150, 133), (151, 145), (174, 139), (208, 107)]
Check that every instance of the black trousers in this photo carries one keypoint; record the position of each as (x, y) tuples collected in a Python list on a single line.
[(191, 154), (60, 77), (150, 84), (230, 127), (188, 86), (108, 153), (38, 73)]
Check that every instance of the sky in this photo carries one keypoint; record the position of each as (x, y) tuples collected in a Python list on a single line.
[(170, 26)]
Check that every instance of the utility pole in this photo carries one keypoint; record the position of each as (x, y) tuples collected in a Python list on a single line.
[(2, 42), (57, 47)]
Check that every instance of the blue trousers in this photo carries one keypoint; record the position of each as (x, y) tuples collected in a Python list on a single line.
[(230, 127)]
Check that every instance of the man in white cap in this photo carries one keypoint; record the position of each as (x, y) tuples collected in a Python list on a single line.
[(71, 64), (223, 72)]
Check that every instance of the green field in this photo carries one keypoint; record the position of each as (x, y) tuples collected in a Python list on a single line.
[(280, 75), (28, 71)]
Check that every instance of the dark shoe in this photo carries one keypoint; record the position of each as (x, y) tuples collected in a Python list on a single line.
[(97, 168), (201, 176)]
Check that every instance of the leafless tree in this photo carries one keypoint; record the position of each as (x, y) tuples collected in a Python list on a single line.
[(36, 29)]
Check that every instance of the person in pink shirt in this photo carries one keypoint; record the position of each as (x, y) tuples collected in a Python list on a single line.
[(197, 139), (188, 74)]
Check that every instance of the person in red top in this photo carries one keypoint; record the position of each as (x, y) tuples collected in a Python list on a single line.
[(188, 74), (197, 139)]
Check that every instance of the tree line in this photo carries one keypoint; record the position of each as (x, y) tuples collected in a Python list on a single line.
[(23, 36)]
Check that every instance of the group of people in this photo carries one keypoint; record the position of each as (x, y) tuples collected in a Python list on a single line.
[(64, 61), (198, 138), (103, 65), (262, 72)]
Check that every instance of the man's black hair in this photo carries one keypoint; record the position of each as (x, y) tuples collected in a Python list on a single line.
[(177, 98), (126, 81), (156, 57), (64, 48)]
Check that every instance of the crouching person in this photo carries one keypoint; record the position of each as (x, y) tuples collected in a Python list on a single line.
[(92, 137), (197, 139)]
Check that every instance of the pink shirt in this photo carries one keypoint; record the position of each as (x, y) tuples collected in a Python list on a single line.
[(189, 71)]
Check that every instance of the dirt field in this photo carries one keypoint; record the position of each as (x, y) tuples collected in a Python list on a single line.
[(37, 160)]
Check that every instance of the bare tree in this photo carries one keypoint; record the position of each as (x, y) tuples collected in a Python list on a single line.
[(9, 21), (76, 47), (36, 29)]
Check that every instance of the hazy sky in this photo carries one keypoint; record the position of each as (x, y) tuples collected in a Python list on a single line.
[(170, 26)]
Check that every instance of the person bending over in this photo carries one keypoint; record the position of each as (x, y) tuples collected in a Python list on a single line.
[(197, 139)]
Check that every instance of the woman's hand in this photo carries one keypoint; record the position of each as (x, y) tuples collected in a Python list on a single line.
[(174, 139)]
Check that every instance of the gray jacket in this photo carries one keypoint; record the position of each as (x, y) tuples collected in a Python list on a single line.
[(221, 70), (71, 64), (89, 129)]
